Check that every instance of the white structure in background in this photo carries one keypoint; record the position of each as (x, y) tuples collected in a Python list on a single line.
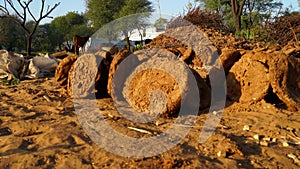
[(148, 33), (95, 44)]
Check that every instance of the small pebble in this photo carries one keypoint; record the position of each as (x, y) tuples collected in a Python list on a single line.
[(246, 128), (219, 154), (222, 154), (264, 143), (158, 123), (256, 137), (285, 144), (215, 113), (292, 156), (47, 98), (267, 139)]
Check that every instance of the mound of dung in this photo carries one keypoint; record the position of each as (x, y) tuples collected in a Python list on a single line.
[(175, 46), (268, 71), (285, 79), (62, 70), (88, 75), (248, 80), (163, 41), (144, 83), (228, 57), (158, 85), (205, 19), (292, 49), (118, 58), (212, 25)]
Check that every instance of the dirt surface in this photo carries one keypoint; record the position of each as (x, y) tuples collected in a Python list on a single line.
[(39, 129)]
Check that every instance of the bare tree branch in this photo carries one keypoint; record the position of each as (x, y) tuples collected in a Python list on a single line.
[(4, 10), (28, 9), (10, 3), (42, 9), (48, 12)]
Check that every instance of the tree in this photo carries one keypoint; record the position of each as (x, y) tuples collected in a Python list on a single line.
[(246, 14), (237, 11), (41, 39), (211, 5), (222, 8), (101, 12), (63, 28), (131, 7), (11, 35), (257, 15), (22, 11), (58, 31), (160, 24)]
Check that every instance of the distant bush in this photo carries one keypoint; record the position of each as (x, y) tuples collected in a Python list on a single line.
[(138, 47), (34, 53), (202, 19), (284, 29)]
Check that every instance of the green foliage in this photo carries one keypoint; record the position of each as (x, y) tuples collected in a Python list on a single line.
[(130, 22), (41, 39), (63, 28), (211, 5), (133, 7), (11, 82), (160, 23), (255, 14), (101, 12), (11, 35), (138, 47)]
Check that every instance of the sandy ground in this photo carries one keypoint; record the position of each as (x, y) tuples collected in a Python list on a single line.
[(39, 129)]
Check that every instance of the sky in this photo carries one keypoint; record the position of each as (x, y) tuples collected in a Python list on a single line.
[(168, 7)]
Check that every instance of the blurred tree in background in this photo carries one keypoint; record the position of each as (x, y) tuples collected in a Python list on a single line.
[(101, 12), (131, 7), (12, 36), (63, 28), (245, 17)]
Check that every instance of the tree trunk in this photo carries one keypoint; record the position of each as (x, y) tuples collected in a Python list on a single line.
[(125, 33), (28, 47), (127, 43), (237, 9), (238, 24)]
